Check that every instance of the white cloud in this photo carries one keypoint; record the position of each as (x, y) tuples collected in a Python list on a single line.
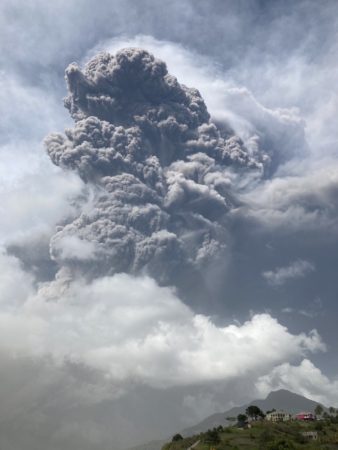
[(74, 347), (73, 247), (34, 195), (35, 203), (305, 379), (301, 196), (281, 275), (131, 329), (16, 285), (27, 111)]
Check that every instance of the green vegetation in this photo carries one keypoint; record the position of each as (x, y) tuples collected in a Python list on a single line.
[(319, 410), (211, 437), (177, 437), (265, 435), (254, 412), (242, 418)]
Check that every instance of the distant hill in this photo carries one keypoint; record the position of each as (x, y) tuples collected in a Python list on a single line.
[(282, 399), (294, 434)]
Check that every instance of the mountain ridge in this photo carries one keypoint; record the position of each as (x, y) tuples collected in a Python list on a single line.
[(281, 399)]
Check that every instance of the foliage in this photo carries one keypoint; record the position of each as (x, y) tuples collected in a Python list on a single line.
[(181, 444), (319, 410), (318, 426), (264, 435), (281, 444), (211, 437), (242, 418), (177, 437), (254, 412)]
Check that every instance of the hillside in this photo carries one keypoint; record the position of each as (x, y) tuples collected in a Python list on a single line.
[(281, 399), (265, 436)]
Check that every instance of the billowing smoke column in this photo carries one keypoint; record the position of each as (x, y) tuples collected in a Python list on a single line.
[(157, 166)]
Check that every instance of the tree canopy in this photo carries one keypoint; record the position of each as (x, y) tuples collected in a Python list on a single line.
[(242, 418), (212, 437), (319, 410), (177, 437), (254, 412)]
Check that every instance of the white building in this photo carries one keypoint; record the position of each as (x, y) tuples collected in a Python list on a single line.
[(278, 416), (311, 435)]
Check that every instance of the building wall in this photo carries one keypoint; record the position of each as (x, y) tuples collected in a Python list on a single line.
[(278, 416), (313, 435)]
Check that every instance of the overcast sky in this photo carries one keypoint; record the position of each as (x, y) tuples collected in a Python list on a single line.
[(197, 269)]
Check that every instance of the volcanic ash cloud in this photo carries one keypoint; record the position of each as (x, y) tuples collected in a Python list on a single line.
[(157, 166)]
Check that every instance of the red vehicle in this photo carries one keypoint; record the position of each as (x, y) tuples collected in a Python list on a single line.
[(305, 416)]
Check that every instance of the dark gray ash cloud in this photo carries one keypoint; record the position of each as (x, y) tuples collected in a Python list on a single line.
[(158, 166)]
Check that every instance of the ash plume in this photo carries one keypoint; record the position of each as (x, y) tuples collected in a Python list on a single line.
[(158, 168)]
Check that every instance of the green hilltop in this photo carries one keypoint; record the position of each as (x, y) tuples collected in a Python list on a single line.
[(264, 435)]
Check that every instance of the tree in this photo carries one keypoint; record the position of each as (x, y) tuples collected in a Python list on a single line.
[(332, 410), (319, 410), (254, 412), (177, 437), (211, 437), (242, 418)]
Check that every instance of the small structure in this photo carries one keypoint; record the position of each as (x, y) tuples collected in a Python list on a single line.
[(305, 416), (311, 435), (278, 416), (244, 425)]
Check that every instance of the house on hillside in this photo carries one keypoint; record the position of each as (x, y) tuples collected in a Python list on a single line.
[(278, 416), (311, 435), (244, 425), (305, 416)]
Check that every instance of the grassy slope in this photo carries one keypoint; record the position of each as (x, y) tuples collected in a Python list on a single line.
[(266, 436)]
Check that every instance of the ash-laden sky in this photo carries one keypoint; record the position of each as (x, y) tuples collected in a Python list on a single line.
[(168, 232)]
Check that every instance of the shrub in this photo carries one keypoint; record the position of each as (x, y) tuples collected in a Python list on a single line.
[(177, 437), (318, 426), (211, 437), (241, 419), (281, 444), (266, 436)]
